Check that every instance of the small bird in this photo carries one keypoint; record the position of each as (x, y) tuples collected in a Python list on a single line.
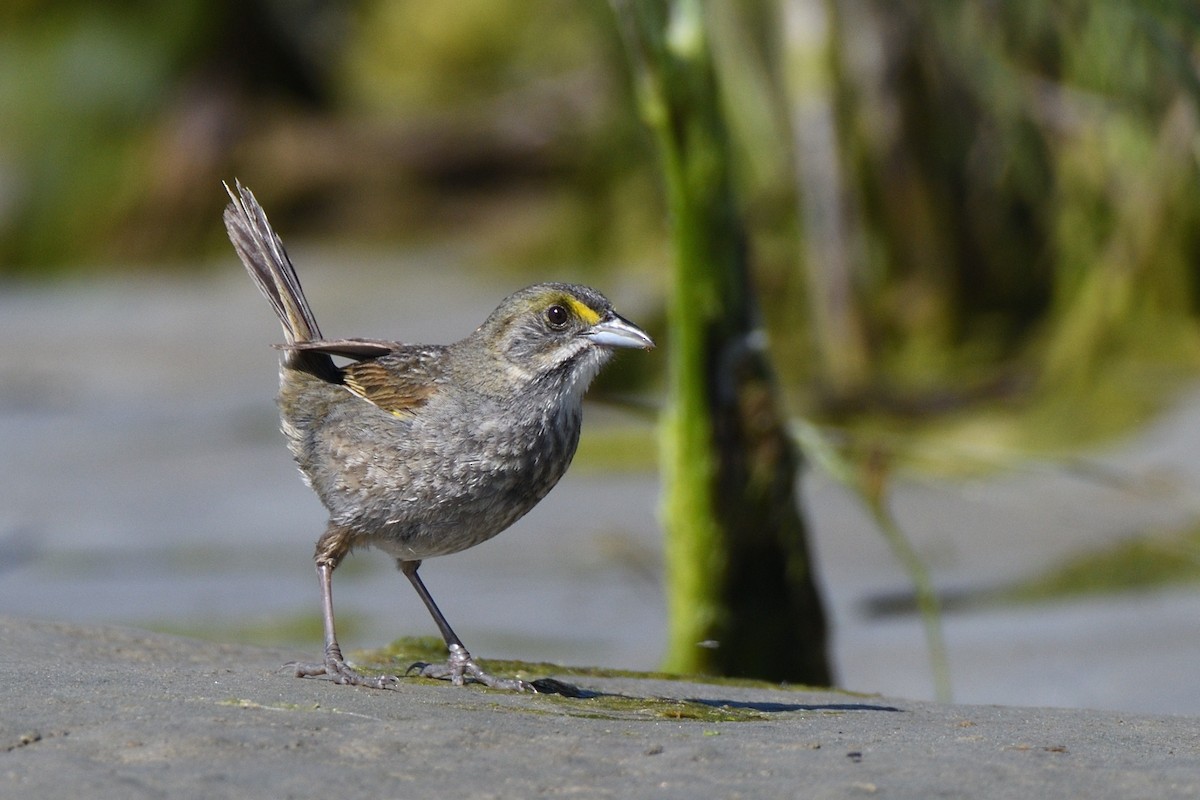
[(426, 450)]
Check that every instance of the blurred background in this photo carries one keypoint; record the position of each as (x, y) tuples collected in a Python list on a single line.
[(976, 241)]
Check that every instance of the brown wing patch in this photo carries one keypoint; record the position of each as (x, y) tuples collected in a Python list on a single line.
[(395, 393)]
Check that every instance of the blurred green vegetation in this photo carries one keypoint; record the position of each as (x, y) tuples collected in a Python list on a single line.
[(737, 566), (1014, 197), (975, 219), (1144, 562), (373, 119)]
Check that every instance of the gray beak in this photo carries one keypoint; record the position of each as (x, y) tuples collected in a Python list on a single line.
[(616, 331)]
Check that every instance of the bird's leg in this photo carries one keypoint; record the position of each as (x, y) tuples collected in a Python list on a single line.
[(330, 548), (460, 665)]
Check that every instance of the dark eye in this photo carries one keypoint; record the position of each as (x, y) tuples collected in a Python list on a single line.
[(557, 316)]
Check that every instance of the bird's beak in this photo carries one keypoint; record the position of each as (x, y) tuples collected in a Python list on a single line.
[(616, 331)]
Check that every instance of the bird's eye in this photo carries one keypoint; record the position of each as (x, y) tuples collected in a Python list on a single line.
[(557, 316)]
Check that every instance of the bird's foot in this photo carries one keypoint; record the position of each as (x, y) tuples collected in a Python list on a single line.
[(460, 668), (341, 672)]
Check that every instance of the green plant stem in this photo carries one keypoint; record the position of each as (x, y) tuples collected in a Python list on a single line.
[(741, 596)]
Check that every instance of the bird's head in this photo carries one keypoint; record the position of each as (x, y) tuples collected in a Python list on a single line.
[(555, 332)]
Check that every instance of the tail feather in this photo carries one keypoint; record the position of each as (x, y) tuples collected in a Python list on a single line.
[(262, 253)]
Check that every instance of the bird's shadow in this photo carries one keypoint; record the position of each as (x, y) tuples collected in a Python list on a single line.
[(564, 689)]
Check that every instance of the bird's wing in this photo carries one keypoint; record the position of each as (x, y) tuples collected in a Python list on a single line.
[(399, 382), (349, 348)]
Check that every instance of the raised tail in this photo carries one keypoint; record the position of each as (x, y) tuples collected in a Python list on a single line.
[(262, 253)]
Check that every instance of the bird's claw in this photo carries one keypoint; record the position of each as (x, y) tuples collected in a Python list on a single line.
[(460, 668), (339, 671)]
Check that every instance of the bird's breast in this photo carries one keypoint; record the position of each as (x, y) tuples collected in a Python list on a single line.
[(442, 480)]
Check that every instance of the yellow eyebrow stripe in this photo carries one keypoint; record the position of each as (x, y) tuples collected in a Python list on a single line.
[(584, 312)]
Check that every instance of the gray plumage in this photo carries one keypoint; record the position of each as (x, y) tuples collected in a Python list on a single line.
[(426, 450)]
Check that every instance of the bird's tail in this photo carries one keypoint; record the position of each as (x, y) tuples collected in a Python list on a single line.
[(261, 251)]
